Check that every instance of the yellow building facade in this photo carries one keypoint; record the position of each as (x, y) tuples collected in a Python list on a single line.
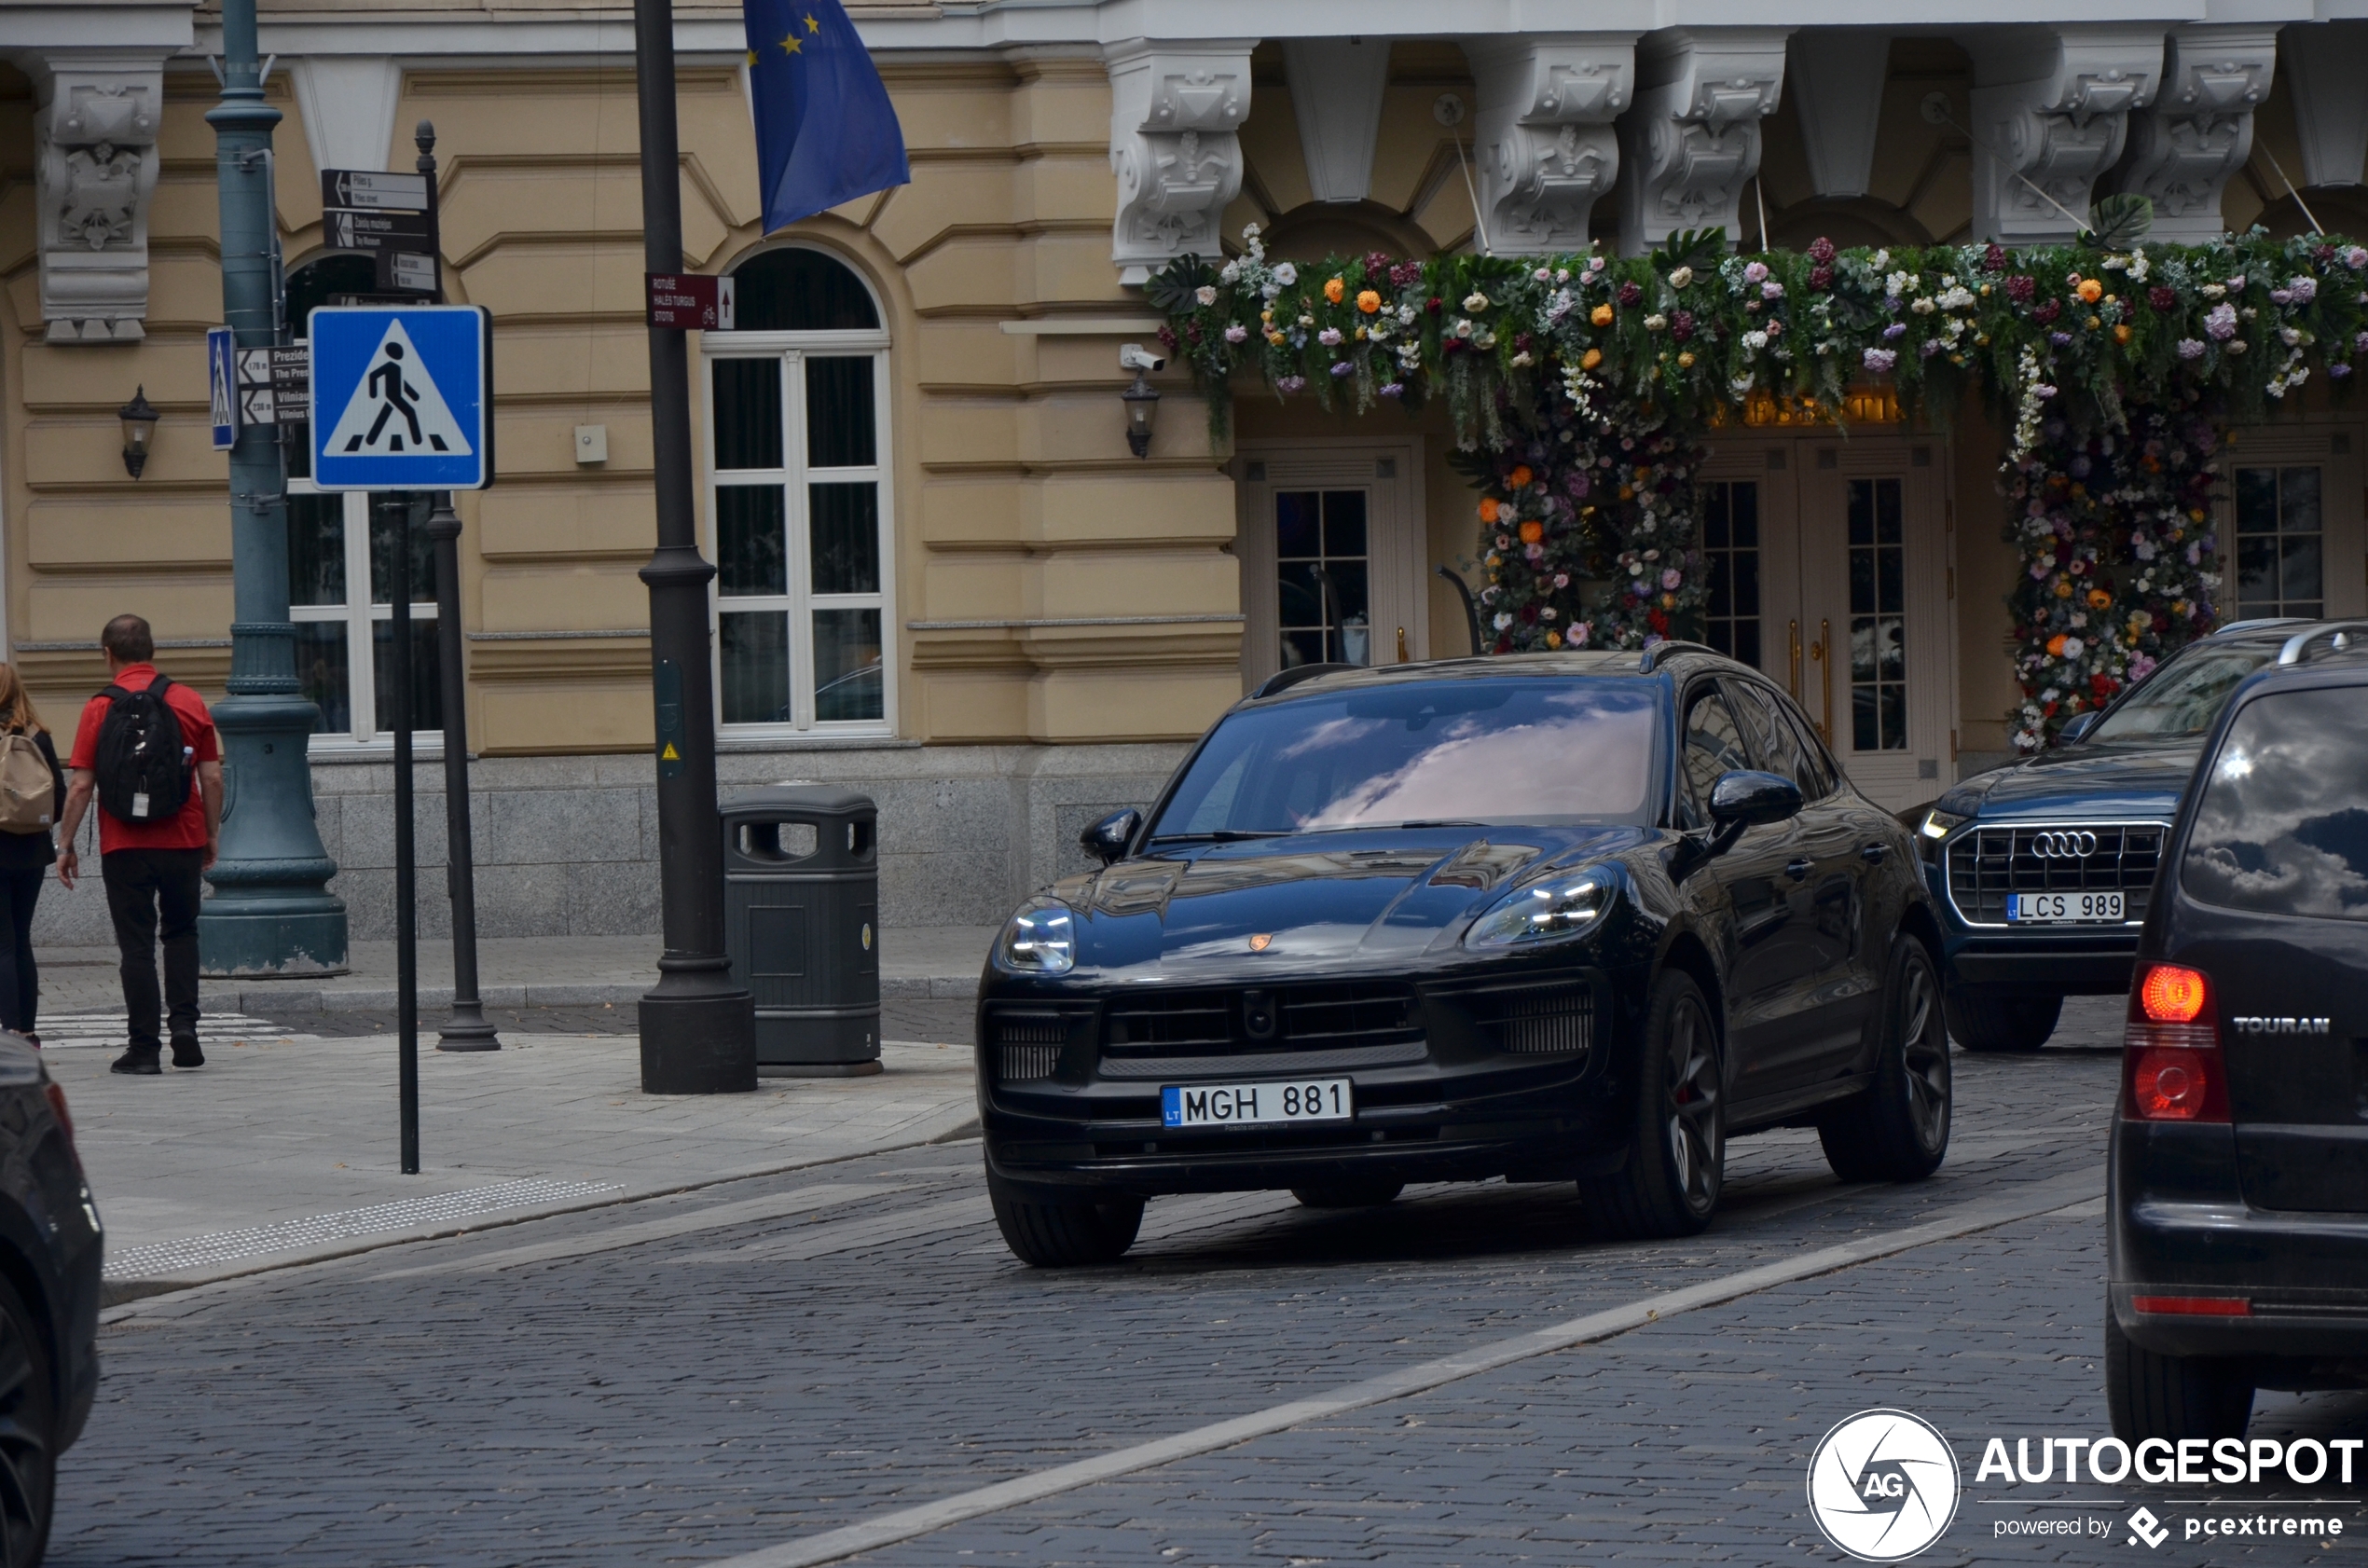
[(944, 574)]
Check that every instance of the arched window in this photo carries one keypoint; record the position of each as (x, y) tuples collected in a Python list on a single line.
[(338, 543), (797, 488)]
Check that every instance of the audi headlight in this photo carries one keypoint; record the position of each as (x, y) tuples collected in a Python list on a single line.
[(1938, 823), (1042, 939), (1562, 906)]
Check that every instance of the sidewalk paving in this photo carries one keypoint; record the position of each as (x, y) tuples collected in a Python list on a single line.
[(284, 1146), (930, 961)]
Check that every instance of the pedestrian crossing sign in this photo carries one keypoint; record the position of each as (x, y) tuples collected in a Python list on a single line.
[(402, 397)]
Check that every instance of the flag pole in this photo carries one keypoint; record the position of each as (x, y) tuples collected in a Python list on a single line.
[(698, 1029)]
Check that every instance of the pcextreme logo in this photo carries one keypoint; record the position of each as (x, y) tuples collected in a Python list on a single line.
[(1883, 1485)]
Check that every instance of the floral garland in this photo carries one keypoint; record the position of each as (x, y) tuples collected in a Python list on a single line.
[(2119, 561)]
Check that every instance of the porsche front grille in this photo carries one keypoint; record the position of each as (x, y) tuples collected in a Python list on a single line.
[(1986, 866), (1535, 1020), (1027, 1047), (1340, 1016)]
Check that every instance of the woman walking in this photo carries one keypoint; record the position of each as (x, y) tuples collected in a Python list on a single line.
[(29, 809)]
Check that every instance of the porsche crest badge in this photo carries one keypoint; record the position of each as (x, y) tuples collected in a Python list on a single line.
[(1262, 942)]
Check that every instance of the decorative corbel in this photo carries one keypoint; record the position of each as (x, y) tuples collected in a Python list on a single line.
[(2051, 109), (1175, 114), (2199, 130), (1692, 139), (1543, 134), (95, 153)]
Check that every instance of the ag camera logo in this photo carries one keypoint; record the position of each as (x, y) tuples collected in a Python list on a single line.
[(1883, 1485)]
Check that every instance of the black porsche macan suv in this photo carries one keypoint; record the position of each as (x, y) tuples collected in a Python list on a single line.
[(1554, 916), (2041, 871), (2239, 1246)]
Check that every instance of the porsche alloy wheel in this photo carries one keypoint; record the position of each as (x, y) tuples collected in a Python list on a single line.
[(1678, 1162)]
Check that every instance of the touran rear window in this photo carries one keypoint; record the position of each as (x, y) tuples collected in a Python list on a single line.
[(2282, 823)]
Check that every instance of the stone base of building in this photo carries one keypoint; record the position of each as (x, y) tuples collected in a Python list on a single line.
[(569, 845)]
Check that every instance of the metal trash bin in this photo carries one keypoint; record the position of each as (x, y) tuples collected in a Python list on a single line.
[(801, 913)]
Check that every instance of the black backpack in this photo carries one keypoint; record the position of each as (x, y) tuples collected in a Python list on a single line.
[(144, 773)]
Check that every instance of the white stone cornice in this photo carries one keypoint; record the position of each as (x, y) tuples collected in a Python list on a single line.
[(1176, 116), (2199, 128), (2051, 109), (1336, 96), (94, 133), (2326, 67), (1692, 139), (1543, 134)]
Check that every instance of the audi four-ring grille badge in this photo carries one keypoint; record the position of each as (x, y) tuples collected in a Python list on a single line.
[(2076, 845), (1989, 865)]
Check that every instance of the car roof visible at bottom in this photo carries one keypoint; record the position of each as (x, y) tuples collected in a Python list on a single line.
[(1593, 661)]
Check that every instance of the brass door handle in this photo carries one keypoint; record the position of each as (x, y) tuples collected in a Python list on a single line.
[(1792, 682), (1821, 651)]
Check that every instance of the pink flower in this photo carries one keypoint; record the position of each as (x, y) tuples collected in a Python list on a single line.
[(1237, 333), (1880, 360), (1669, 580), (1561, 580)]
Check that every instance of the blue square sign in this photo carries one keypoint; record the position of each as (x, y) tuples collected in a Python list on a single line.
[(402, 397)]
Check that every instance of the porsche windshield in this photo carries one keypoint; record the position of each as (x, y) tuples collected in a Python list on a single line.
[(1516, 750)]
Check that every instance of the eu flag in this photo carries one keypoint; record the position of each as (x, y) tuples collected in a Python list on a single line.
[(825, 131)]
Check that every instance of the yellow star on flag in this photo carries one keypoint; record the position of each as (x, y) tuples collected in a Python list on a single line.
[(791, 44), (751, 56), (812, 25)]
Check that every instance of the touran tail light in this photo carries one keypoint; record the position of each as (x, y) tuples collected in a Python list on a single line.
[(2171, 1067)]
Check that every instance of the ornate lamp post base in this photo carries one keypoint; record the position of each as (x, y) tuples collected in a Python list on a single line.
[(271, 914)]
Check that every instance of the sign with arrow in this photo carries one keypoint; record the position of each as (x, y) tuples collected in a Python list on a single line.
[(402, 397), (379, 192)]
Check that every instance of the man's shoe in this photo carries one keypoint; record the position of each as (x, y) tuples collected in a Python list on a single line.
[(135, 1060), (32, 1039), (186, 1054)]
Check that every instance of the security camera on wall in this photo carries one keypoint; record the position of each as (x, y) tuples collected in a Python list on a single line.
[(1133, 356)]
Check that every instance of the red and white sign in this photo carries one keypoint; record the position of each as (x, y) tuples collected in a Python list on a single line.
[(690, 302)]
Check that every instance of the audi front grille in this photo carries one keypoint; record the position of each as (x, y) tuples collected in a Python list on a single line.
[(1989, 865)]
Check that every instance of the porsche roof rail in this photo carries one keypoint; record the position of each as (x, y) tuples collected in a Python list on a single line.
[(2298, 647), (1653, 654), (1284, 679)]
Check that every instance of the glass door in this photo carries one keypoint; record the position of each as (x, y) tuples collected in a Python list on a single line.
[(1829, 571), (1332, 559)]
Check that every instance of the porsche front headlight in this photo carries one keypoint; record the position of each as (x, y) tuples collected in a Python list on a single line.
[(1555, 909), (1042, 939)]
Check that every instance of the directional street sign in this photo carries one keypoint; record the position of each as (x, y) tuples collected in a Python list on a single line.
[(402, 397), (221, 388), (690, 301), (364, 229), (367, 187), (274, 386)]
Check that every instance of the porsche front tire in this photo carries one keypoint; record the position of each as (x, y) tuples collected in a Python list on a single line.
[(1064, 1234)]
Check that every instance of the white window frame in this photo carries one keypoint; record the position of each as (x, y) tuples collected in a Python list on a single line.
[(360, 621), (790, 351)]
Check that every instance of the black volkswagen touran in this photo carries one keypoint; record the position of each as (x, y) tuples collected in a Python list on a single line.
[(2239, 1170), (1555, 916)]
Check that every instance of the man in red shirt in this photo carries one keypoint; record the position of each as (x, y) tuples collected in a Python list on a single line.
[(153, 862)]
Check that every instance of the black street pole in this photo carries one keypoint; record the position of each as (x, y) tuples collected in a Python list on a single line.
[(407, 876), (698, 1029), (466, 1029)]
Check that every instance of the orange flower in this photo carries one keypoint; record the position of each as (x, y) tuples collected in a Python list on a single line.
[(1626, 493), (1553, 640), (1600, 315), (1532, 531), (1520, 478), (2090, 291), (2063, 587), (2055, 646), (1488, 509), (1334, 289), (2121, 332), (2100, 599), (1592, 357), (1367, 301)]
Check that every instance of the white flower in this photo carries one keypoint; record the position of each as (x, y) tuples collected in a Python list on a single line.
[(1680, 278), (1503, 620), (1655, 321), (1474, 303), (1205, 293), (2072, 647), (1286, 275), (1230, 273), (1755, 341), (1922, 305), (1406, 315)]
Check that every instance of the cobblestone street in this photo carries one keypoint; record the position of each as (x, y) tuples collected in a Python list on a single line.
[(744, 1368)]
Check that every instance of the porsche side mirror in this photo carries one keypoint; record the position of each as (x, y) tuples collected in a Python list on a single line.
[(1745, 799), (1106, 840), (2076, 729)]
